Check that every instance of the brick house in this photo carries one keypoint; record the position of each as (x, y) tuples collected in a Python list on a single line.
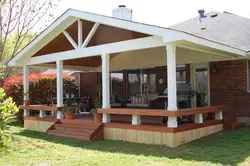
[(135, 67)]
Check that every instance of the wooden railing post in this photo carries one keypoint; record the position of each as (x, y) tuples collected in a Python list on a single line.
[(136, 119), (42, 114), (218, 115), (198, 118)]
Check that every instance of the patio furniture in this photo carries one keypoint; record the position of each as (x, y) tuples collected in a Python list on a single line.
[(84, 105)]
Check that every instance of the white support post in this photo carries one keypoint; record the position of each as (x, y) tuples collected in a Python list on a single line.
[(59, 86), (79, 33), (42, 114), (26, 88), (172, 98), (218, 115), (136, 119), (198, 118), (105, 87)]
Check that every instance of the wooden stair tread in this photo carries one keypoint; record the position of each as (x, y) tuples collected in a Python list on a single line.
[(82, 130), (81, 123), (60, 134), (233, 125), (70, 132), (76, 130), (75, 126), (230, 119)]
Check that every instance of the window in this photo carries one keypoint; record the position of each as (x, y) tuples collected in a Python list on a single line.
[(181, 74), (116, 88), (148, 81), (141, 81), (134, 82)]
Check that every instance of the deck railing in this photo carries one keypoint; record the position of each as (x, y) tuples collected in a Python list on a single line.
[(137, 113)]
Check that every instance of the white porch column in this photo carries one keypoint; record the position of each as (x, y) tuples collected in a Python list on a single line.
[(105, 87), (26, 89), (59, 86), (172, 98), (198, 118), (218, 115), (136, 119)]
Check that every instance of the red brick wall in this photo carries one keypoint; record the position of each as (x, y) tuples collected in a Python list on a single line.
[(228, 86)]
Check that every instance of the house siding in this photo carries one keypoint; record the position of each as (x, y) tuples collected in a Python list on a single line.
[(229, 86)]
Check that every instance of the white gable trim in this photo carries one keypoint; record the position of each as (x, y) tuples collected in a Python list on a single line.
[(71, 16)]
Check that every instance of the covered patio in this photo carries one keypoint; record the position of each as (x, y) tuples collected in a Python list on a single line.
[(94, 43)]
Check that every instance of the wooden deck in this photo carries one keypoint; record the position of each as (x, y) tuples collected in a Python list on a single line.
[(152, 129)]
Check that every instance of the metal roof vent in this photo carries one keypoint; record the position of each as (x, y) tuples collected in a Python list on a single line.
[(201, 14)]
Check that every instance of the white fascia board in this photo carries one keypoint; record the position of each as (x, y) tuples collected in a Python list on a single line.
[(129, 45)]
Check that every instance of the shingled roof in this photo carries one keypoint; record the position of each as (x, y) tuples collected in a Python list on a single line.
[(225, 28)]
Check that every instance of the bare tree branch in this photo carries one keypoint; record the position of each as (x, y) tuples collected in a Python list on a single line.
[(18, 19)]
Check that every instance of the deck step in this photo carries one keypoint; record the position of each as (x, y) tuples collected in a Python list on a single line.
[(230, 119), (74, 128), (65, 135), (233, 125), (237, 125), (82, 130)]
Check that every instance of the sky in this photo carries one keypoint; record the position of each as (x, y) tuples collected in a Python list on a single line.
[(157, 12)]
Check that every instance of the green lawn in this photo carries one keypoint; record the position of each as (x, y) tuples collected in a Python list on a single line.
[(35, 148)]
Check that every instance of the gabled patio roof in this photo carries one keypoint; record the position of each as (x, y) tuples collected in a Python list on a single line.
[(142, 36)]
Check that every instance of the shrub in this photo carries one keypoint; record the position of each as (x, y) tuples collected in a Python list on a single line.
[(41, 86), (7, 111)]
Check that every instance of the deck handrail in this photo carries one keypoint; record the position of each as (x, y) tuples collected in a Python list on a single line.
[(40, 107), (158, 112)]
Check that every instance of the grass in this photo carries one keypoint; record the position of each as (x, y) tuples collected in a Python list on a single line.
[(35, 148)]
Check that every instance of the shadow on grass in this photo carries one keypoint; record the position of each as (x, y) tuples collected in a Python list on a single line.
[(227, 148)]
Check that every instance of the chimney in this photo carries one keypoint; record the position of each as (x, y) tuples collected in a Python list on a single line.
[(122, 13)]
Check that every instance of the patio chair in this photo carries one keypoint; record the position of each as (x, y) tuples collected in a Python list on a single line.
[(84, 105)]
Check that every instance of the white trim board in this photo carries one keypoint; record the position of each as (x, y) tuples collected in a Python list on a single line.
[(70, 16)]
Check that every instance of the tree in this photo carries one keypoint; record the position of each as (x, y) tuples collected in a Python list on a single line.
[(18, 19)]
